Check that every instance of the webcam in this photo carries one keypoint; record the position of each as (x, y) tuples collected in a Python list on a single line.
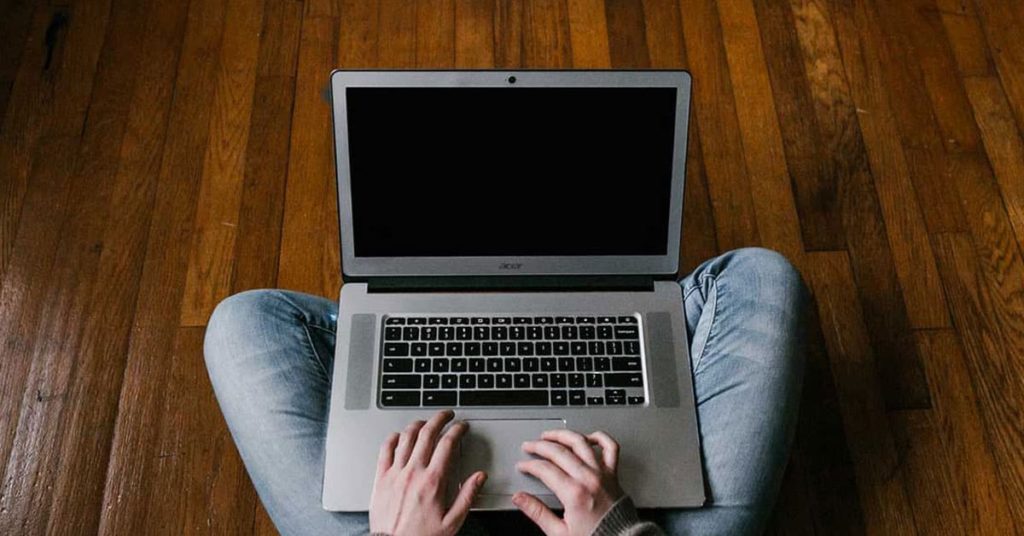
[(511, 80)]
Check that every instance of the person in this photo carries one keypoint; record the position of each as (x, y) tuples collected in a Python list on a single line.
[(269, 354)]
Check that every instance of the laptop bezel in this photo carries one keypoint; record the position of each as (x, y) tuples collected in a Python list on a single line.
[(367, 267)]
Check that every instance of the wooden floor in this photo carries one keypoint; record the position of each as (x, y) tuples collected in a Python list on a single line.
[(157, 156)]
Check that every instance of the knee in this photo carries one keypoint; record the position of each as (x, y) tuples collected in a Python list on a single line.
[(235, 322), (768, 275)]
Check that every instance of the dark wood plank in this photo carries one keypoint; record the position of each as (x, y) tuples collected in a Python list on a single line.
[(15, 23), (474, 34), (508, 34), (627, 39), (588, 32), (1002, 22), (966, 37), (435, 34), (546, 41)]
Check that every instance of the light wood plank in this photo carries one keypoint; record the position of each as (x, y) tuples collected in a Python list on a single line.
[(474, 34), (588, 34)]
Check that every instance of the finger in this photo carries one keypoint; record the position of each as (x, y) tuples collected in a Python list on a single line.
[(609, 449), (561, 456), (405, 443), (575, 441), (539, 513), (387, 453), (549, 474), (460, 508), (428, 436), (446, 445)]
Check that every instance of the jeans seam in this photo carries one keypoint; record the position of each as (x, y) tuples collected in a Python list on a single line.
[(698, 366), (312, 346)]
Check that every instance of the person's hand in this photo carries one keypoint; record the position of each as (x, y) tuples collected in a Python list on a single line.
[(586, 485), (409, 489)]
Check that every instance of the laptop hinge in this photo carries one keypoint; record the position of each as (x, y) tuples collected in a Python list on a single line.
[(539, 283)]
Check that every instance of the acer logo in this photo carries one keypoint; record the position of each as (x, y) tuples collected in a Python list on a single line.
[(510, 266)]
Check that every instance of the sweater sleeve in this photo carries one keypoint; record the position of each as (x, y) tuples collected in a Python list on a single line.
[(622, 520)]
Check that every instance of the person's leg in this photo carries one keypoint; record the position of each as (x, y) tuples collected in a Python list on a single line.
[(745, 313)]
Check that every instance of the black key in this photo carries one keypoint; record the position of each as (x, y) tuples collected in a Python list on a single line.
[(436, 348), (534, 332), (499, 333), (429, 333), (561, 348), (494, 364), (631, 348), (595, 401), (437, 320), (559, 398), (584, 364), (623, 379), (485, 381), (517, 333), (490, 348), (552, 332), (454, 349), (626, 363), (543, 320), (482, 333), (419, 349), (504, 381), (558, 380), (606, 320), (513, 364), (394, 321), (467, 381), (627, 320), (400, 381), (543, 348), (563, 320), (422, 365), (396, 349), (588, 332), (459, 365), (627, 332), (399, 398), (548, 364), (431, 381), (458, 320), (576, 380), (418, 320), (602, 364), (446, 333), (440, 398), (480, 320), (472, 348), (595, 348), (411, 333), (524, 348), (593, 379), (476, 364), (508, 348), (522, 320), (540, 381), (584, 320), (393, 334), (522, 381), (605, 332), (503, 398), (440, 365), (531, 364), (615, 397), (614, 347), (578, 348), (463, 333), (635, 400), (398, 365), (449, 381), (577, 398), (501, 320), (570, 332), (566, 364)]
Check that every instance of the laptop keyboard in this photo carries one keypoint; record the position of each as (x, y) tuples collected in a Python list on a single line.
[(475, 361)]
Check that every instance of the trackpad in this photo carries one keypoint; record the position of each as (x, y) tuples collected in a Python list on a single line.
[(495, 446)]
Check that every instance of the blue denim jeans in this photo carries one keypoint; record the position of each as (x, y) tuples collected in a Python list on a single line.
[(270, 355)]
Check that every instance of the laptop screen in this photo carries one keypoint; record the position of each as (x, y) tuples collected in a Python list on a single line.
[(439, 172)]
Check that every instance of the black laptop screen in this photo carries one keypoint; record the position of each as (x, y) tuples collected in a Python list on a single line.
[(510, 171)]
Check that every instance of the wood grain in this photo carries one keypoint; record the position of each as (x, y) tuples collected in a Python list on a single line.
[(474, 34), (590, 34)]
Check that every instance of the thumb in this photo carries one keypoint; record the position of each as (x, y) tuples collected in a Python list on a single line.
[(538, 512), (460, 508)]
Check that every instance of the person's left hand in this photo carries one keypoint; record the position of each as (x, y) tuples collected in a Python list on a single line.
[(409, 489)]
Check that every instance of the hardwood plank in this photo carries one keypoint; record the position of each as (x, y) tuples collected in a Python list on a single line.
[(667, 51), (628, 48), (211, 259), (508, 34), (963, 447), (435, 34), (588, 34), (1003, 145), (127, 493), (768, 174), (1002, 22), (984, 285), (357, 35), (966, 38), (546, 41), (15, 23), (474, 34), (396, 41), (879, 475), (310, 259), (714, 107)]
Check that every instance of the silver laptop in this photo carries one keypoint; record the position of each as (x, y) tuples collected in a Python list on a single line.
[(510, 243)]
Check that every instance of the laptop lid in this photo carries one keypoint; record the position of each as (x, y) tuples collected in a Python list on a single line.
[(477, 173)]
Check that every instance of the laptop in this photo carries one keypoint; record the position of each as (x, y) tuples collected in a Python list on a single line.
[(510, 245)]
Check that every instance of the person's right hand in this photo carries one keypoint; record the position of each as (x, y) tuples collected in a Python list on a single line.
[(586, 485)]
